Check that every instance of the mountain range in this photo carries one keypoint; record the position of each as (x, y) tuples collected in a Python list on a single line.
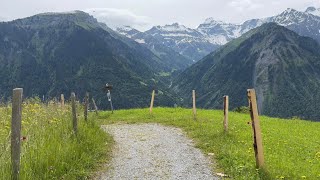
[(196, 43)]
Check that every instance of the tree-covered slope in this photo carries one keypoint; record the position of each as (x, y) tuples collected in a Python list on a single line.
[(282, 66), (52, 53)]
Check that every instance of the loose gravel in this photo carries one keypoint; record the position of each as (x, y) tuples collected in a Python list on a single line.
[(152, 151)]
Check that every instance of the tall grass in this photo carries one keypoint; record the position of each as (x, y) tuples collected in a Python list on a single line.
[(50, 149), (291, 147)]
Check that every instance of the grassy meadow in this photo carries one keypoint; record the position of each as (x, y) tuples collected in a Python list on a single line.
[(50, 149), (291, 147)]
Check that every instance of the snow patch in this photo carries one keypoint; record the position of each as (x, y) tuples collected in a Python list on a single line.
[(141, 41), (125, 28), (218, 39)]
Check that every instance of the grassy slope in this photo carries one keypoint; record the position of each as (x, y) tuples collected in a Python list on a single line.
[(51, 151), (292, 147)]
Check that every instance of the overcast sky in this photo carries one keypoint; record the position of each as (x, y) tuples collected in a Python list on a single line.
[(142, 14)]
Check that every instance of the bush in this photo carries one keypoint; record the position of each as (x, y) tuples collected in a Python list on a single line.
[(242, 109)]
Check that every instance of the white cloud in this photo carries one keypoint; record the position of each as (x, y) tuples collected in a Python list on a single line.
[(244, 5), (120, 17)]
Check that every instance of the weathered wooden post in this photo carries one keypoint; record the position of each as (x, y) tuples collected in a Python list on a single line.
[(95, 106), (62, 100), (86, 105), (194, 104), (74, 113), (152, 100), (257, 138), (16, 132), (226, 112)]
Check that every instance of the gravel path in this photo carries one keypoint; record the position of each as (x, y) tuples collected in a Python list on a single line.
[(152, 151)]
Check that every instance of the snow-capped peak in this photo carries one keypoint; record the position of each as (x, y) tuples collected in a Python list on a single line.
[(289, 10), (313, 11), (211, 20), (175, 27), (310, 9), (290, 16), (291, 13)]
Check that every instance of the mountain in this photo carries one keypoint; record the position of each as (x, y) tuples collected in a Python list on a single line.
[(53, 53), (211, 34), (176, 60), (282, 66)]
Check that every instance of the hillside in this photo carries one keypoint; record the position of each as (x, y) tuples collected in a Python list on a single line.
[(282, 66), (53, 53)]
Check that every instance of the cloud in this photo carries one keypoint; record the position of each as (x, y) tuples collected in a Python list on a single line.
[(120, 17), (244, 5), (2, 19)]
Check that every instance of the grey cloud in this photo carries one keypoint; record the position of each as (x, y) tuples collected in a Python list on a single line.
[(245, 5), (120, 17)]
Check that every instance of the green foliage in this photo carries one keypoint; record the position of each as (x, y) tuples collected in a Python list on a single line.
[(291, 147), (50, 149), (242, 109)]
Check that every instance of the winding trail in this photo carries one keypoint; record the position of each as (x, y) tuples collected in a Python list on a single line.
[(152, 151)]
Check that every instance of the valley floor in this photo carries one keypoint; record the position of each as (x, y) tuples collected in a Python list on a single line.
[(152, 151)]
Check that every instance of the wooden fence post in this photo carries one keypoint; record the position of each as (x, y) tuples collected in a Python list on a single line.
[(152, 100), (74, 113), (194, 104), (62, 100), (226, 112), (95, 106), (86, 105), (257, 138), (16, 132)]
